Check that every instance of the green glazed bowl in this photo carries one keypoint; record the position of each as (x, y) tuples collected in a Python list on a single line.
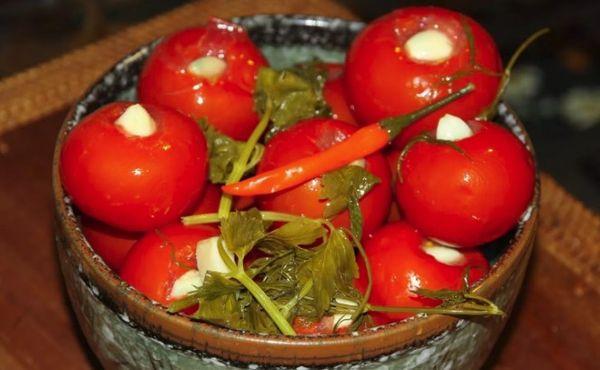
[(128, 331)]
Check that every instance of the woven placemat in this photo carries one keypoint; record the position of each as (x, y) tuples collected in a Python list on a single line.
[(568, 230)]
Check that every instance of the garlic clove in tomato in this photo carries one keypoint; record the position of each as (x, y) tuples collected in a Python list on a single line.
[(136, 121), (186, 284), (452, 128), (208, 67), (341, 320), (208, 257), (446, 255), (429, 46)]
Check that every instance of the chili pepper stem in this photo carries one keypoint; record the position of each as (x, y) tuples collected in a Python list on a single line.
[(491, 109), (395, 125)]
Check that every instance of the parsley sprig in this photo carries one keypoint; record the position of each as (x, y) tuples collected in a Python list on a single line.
[(343, 188), (223, 151), (295, 93), (307, 265)]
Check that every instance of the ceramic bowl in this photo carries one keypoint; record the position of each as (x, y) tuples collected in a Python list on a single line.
[(126, 330)]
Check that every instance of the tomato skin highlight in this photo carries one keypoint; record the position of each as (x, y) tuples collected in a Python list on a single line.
[(309, 137), (382, 81), (161, 256), (226, 103), (399, 265), (468, 198), (109, 243), (134, 183)]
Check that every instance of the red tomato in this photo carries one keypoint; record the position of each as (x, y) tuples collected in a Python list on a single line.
[(157, 260), (242, 203), (334, 70), (130, 182), (383, 80), (335, 94), (392, 157), (467, 198), (209, 202), (395, 213), (111, 244), (226, 102), (399, 265), (309, 137), (303, 326)]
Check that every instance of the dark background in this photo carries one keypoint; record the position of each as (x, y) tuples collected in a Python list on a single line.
[(555, 89)]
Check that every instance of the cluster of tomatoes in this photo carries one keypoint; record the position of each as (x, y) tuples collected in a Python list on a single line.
[(133, 169)]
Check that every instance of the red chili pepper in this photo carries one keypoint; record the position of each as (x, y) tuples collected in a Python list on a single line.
[(365, 141)]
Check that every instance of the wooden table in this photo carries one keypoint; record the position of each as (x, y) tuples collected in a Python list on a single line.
[(555, 324)]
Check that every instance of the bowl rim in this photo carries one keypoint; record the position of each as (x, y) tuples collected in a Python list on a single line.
[(183, 333)]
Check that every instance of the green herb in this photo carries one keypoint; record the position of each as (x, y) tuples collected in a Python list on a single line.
[(303, 231), (295, 278), (234, 299), (308, 280), (489, 112), (219, 294), (290, 280), (225, 302), (332, 269), (463, 302), (242, 230), (473, 65), (344, 188), (296, 93), (223, 151)]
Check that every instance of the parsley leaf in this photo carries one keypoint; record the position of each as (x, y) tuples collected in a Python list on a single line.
[(461, 302), (344, 188), (296, 93), (332, 269), (227, 303), (242, 230), (304, 231), (223, 151), (217, 301), (356, 217)]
